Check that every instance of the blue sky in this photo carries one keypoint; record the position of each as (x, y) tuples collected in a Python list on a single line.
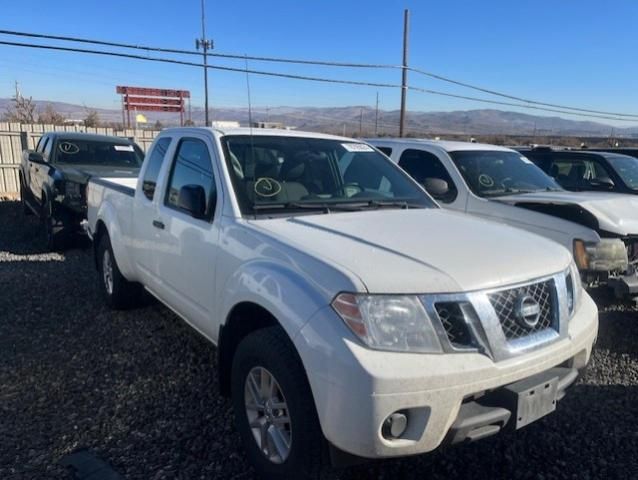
[(580, 53)]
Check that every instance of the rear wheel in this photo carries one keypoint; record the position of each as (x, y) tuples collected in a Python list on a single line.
[(274, 409), (117, 291)]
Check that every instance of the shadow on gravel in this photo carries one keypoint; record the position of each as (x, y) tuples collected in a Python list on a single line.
[(21, 234), (139, 390)]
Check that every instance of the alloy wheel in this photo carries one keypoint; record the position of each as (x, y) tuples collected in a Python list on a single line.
[(268, 414)]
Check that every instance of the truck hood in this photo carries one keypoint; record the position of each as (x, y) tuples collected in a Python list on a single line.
[(82, 173), (615, 213), (421, 250)]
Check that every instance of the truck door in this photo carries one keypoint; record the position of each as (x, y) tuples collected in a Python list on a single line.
[(186, 265), (424, 166), (148, 196), (40, 171)]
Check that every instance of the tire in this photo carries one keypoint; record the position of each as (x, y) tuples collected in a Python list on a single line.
[(269, 351), (118, 293), (53, 228), (24, 208)]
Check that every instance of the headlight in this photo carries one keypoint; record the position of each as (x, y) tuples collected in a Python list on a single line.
[(73, 190), (574, 288), (607, 255), (388, 322)]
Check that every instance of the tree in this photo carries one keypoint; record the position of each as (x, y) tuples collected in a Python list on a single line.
[(189, 123), (21, 110), (49, 115), (158, 125), (92, 119)]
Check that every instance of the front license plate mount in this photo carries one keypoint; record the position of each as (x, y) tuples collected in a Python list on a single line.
[(531, 399)]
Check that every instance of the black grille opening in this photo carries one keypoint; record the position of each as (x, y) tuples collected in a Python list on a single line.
[(506, 306), (454, 323)]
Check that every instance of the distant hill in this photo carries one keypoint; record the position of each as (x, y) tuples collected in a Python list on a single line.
[(336, 119)]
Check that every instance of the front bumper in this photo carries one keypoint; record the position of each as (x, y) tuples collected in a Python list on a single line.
[(356, 388)]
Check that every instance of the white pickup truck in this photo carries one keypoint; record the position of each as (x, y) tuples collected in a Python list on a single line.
[(351, 314), (500, 184)]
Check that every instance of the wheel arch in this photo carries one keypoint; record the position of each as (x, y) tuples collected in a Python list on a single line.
[(100, 230), (243, 319)]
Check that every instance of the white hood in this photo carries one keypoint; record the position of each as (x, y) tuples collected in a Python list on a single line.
[(616, 213), (421, 251)]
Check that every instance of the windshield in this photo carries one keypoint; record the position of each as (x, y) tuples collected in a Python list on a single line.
[(291, 174), (493, 173), (91, 152), (626, 168)]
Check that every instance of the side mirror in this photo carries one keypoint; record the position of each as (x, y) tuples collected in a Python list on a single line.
[(36, 157), (192, 199), (436, 187), (604, 182)]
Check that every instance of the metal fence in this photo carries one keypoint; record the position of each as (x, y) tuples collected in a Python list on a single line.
[(15, 137)]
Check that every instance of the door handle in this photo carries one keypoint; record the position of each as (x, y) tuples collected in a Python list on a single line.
[(158, 224)]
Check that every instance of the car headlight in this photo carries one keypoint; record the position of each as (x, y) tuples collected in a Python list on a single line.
[(73, 190), (607, 255), (388, 322), (574, 288)]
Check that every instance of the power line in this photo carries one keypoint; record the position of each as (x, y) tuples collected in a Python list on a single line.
[(518, 105), (513, 97), (193, 64), (190, 52), (324, 63), (298, 77)]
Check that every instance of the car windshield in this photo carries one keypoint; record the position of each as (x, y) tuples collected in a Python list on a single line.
[(626, 168), (91, 152), (493, 173), (286, 174)]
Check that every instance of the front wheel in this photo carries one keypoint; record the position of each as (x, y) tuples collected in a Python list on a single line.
[(274, 409), (24, 208), (117, 291), (53, 227)]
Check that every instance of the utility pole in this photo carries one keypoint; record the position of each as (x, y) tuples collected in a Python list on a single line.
[(376, 117), (361, 123), (18, 95), (404, 76), (205, 45)]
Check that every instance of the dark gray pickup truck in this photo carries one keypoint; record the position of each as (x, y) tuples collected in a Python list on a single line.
[(53, 177)]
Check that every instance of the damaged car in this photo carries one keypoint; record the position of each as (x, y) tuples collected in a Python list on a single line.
[(501, 184)]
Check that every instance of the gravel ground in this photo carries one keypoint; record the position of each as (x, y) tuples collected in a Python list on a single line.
[(139, 389)]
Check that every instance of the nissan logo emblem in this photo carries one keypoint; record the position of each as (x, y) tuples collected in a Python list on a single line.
[(527, 311)]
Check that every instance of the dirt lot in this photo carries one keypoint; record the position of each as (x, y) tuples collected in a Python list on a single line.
[(139, 389)]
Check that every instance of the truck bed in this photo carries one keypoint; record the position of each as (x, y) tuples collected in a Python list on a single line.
[(115, 194), (122, 185)]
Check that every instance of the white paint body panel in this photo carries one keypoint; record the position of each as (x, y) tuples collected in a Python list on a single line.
[(616, 213), (293, 267)]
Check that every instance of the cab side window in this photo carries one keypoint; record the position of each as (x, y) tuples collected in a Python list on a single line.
[(577, 172), (155, 161), (41, 143), (421, 165), (192, 166), (46, 149)]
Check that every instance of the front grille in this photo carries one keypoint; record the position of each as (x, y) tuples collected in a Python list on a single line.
[(453, 320), (505, 305)]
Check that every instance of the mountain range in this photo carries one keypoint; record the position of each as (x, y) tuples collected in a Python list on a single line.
[(354, 120)]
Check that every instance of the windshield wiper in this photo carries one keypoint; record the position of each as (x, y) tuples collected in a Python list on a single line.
[(507, 191), (324, 207), (403, 204)]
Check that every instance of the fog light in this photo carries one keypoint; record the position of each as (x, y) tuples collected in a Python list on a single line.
[(394, 426)]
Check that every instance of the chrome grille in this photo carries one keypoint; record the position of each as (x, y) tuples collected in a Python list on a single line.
[(505, 306), (453, 320)]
